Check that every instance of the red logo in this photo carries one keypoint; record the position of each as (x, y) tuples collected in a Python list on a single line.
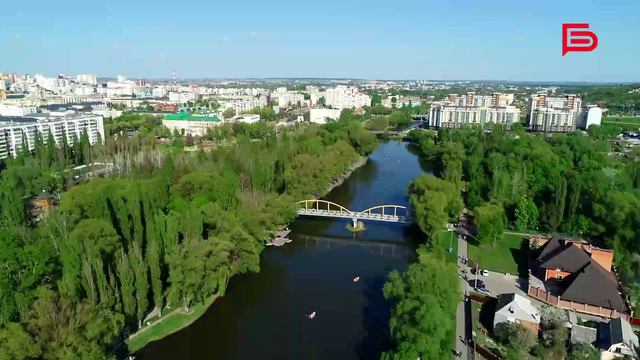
[(578, 40)]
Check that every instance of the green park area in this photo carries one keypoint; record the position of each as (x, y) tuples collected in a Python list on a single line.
[(170, 323), (622, 120), (443, 240), (507, 255)]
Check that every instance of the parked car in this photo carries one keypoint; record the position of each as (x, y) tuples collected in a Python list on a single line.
[(484, 272), (479, 283)]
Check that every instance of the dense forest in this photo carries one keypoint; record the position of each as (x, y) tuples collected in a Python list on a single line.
[(569, 183), (167, 232)]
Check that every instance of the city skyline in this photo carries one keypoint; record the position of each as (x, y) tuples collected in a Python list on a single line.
[(508, 41)]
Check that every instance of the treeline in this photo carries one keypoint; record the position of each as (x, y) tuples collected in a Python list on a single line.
[(568, 183), (128, 122), (425, 298), (620, 99), (160, 238)]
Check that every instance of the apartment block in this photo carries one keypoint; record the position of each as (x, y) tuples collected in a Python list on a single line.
[(553, 113), (16, 129), (458, 111)]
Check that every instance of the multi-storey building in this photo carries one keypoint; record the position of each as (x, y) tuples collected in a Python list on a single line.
[(244, 105), (472, 110), (15, 130), (289, 98), (553, 114), (346, 97)]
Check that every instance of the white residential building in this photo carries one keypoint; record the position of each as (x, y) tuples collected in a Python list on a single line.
[(181, 97), (244, 105), (87, 79), (72, 126), (471, 110), (591, 115), (289, 99), (346, 97), (320, 116), (16, 109), (159, 92), (553, 114)]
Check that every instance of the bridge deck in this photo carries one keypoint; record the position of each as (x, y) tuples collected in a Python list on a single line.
[(353, 215)]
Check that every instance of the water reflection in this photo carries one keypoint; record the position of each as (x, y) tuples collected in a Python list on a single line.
[(262, 316)]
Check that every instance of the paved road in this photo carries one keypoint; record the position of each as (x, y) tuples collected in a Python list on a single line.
[(463, 320)]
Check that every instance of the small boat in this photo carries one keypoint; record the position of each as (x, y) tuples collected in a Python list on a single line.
[(312, 315), (356, 279)]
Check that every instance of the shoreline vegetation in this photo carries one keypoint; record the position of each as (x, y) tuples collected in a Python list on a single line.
[(170, 228), (177, 320)]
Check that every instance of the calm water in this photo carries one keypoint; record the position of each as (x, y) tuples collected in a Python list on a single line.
[(262, 316)]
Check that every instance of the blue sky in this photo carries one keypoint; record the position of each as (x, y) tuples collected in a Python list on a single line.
[(464, 39)]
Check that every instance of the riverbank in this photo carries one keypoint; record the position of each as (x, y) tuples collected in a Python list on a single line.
[(341, 179), (177, 319), (170, 323)]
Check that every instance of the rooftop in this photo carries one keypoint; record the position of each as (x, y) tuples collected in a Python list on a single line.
[(185, 116)]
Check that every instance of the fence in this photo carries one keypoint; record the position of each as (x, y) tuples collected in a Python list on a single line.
[(550, 299)]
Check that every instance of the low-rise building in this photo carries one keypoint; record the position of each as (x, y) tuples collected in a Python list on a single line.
[(166, 107), (246, 118), (517, 309), (617, 340), (320, 116), (191, 124)]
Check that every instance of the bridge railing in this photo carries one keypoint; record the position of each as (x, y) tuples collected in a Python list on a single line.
[(387, 212)]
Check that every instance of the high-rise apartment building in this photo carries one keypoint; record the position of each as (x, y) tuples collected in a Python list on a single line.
[(474, 110), (346, 97), (553, 114), (15, 130)]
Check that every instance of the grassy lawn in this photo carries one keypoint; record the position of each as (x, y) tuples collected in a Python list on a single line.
[(631, 120), (505, 257), (168, 324), (442, 240)]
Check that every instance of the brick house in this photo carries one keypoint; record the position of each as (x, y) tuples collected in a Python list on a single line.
[(574, 271)]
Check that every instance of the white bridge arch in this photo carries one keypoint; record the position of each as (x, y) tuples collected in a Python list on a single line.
[(324, 208)]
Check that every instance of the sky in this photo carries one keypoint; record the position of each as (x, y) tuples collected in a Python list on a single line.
[(512, 40)]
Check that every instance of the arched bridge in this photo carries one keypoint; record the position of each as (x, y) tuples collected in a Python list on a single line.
[(324, 208)]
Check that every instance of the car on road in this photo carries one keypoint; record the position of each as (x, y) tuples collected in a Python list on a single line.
[(479, 283), (484, 272)]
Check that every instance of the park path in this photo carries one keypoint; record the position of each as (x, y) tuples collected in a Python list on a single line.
[(462, 313)]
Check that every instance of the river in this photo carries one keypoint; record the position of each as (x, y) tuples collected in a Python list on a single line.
[(262, 315)]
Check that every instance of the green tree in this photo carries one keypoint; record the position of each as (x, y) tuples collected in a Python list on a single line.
[(516, 337), (423, 311), (17, 344), (228, 113), (399, 119), (526, 215), (125, 274), (583, 352), (489, 220)]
